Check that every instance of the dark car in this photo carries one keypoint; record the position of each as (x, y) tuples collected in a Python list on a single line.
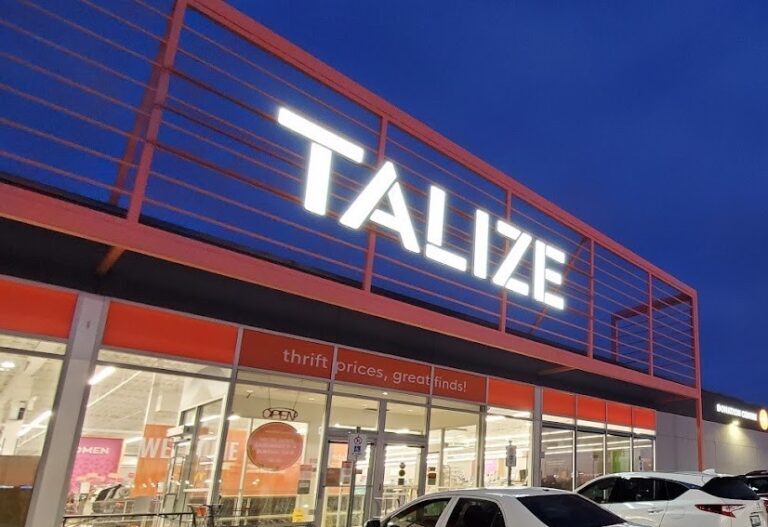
[(758, 480)]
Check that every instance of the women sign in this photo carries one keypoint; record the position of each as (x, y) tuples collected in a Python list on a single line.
[(275, 446)]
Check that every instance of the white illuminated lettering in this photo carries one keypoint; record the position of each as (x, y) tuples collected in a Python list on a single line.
[(542, 274), (397, 217), (736, 412), (324, 142), (481, 245), (503, 276), (435, 228), (384, 183)]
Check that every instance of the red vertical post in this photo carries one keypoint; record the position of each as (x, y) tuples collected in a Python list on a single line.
[(615, 337), (156, 113), (697, 369), (650, 324), (370, 253), (591, 321), (503, 307)]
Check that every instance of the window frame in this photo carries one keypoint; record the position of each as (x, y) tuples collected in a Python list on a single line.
[(450, 502), (458, 499), (613, 479)]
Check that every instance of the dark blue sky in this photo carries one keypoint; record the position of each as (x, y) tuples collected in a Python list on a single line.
[(648, 120)]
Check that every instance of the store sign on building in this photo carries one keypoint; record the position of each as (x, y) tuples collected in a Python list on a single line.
[(384, 188), (760, 417)]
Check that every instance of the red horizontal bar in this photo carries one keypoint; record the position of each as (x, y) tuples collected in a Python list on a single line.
[(229, 17), (36, 209)]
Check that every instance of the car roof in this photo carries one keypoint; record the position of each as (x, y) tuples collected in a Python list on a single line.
[(500, 492), (694, 478)]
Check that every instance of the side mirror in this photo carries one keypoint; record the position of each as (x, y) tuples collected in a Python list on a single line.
[(373, 523)]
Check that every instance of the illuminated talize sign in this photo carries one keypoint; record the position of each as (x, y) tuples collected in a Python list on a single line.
[(736, 412), (385, 184)]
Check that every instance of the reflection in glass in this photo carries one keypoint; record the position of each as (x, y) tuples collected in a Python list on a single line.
[(339, 486), (643, 457), (401, 476), (152, 437), (590, 456), (618, 454), (557, 458), (27, 390), (269, 471), (452, 457), (503, 431), (405, 419), (351, 412)]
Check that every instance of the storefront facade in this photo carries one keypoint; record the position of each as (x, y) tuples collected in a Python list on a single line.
[(182, 410), (223, 260)]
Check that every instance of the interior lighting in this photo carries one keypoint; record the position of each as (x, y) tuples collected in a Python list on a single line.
[(102, 374), (7, 365), (37, 421), (132, 440), (233, 417)]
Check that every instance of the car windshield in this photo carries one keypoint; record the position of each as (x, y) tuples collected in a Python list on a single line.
[(569, 510), (730, 488)]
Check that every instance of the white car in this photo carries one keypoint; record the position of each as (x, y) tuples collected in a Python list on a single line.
[(678, 499), (507, 507)]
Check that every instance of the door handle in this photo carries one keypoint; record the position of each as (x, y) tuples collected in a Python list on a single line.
[(654, 511)]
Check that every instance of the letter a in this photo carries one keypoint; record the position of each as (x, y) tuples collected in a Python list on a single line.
[(384, 183)]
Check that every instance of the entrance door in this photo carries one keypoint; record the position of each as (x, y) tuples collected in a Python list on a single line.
[(402, 477), (348, 486)]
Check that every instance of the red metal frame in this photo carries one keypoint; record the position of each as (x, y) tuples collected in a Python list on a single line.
[(130, 234), (57, 215)]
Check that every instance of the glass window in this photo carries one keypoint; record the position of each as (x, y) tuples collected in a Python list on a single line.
[(380, 393), (270, 466), (590, 456), (557, 458), (503, 435), (422, 514), (452, 457), (473, 513), (618, 454), (27, 390), (406, 419), (401, 476), (153, 361), (567, 510), (675, 489), (639, 489), (149, 442), (643, 456), (257, 377), (351, 412), (600, 491)]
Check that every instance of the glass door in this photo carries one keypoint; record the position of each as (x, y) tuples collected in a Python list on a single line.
[(347, 486), (401, 477)]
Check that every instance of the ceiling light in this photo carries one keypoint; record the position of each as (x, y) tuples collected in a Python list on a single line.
[(8, 365), (101, 375), (35, 422), (233, 417)]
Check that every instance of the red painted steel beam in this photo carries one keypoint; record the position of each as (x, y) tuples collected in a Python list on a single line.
[(661, 303), (156, 94), (57, 215), (234, 20)]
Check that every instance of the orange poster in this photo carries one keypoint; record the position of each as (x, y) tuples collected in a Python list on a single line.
[(154, 456)]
